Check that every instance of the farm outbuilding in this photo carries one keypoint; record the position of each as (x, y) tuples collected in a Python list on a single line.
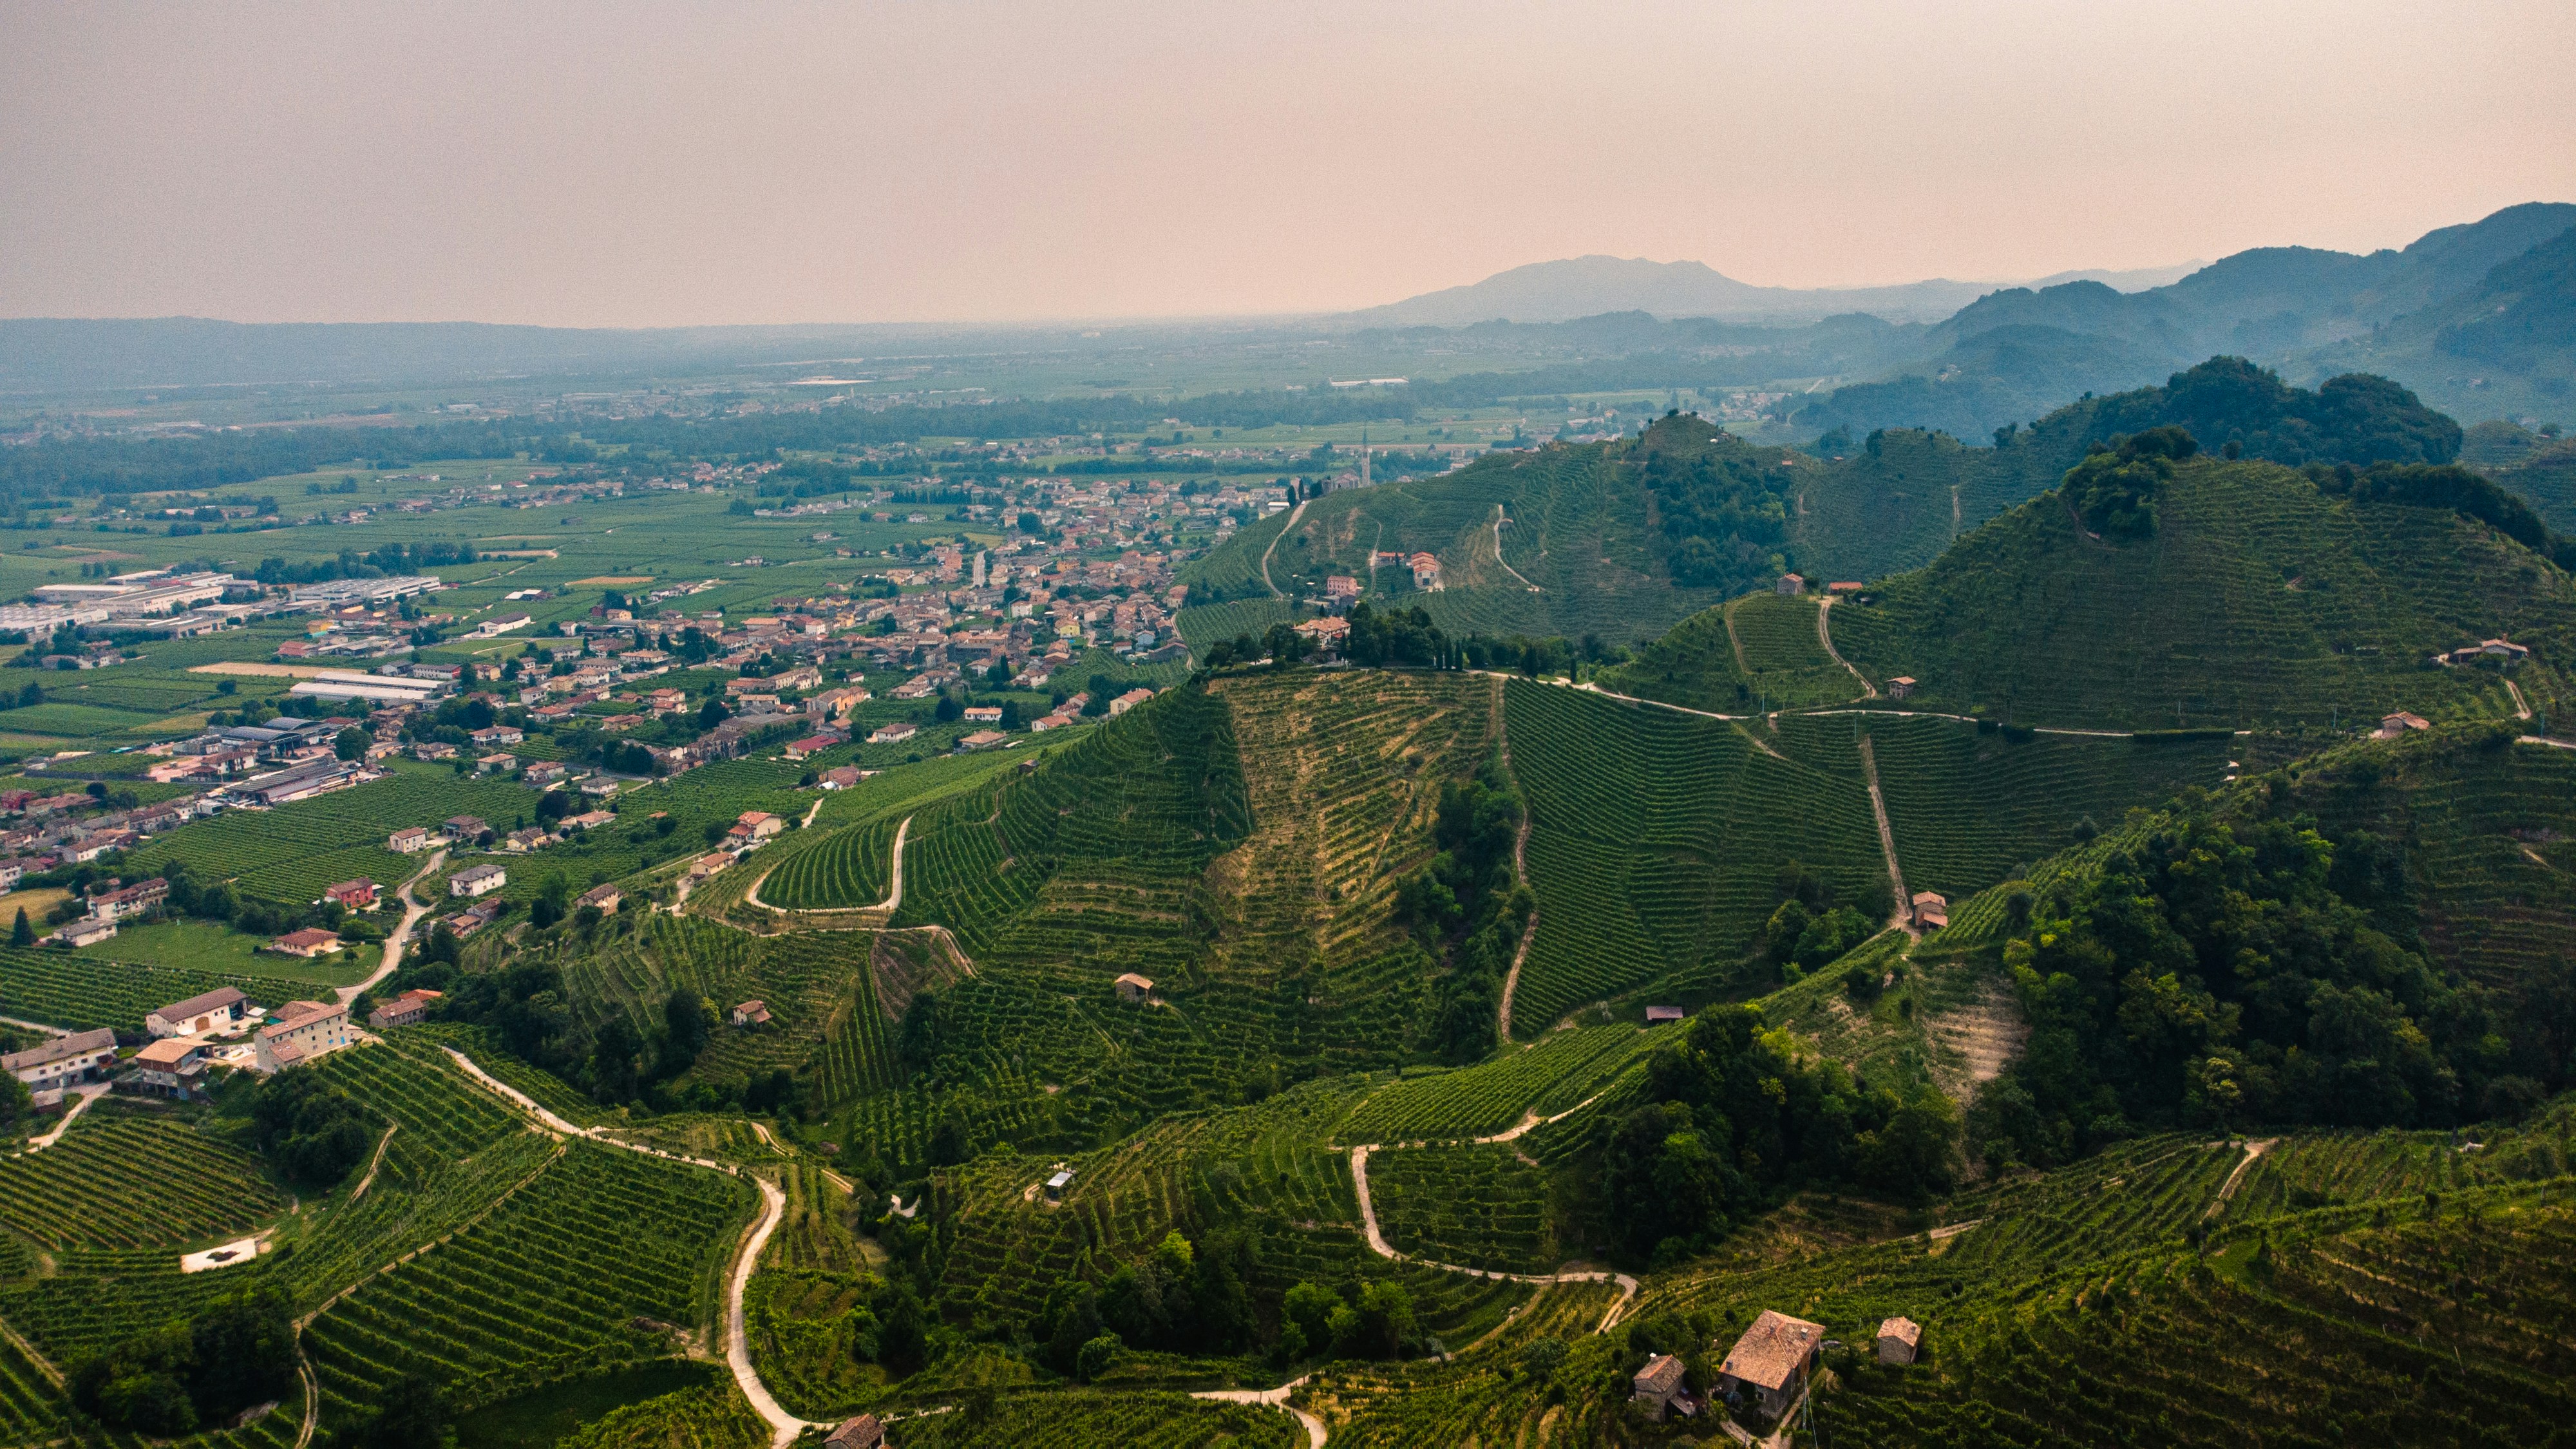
[(1930, 911), (1132, 987), (1661, 1388), (751, 1013), (1057, 1184), (1898, 1339), (862, 1432)]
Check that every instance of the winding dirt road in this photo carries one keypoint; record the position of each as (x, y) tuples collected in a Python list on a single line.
[(413, 910), (1379, 1245)]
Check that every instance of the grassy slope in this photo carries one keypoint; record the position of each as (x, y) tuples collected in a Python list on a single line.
[(2258, 601)]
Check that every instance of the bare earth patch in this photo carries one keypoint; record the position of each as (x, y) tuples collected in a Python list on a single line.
[(1976, 1041)]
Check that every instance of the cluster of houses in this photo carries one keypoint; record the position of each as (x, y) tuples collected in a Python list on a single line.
[(43, 831), (183, 1043), (747, 833), (1766, 1370)]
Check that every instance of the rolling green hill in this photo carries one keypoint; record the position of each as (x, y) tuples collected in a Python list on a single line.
[(2257, 600), (1561, 540)]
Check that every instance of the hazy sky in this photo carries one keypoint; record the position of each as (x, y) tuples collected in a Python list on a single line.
[(637, 163)]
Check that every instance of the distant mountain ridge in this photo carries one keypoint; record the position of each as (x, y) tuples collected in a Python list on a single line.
[(1561, 291), (2479, 319)]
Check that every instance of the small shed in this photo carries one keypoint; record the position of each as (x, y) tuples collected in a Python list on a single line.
[(1056, 1185), (1658, 1015), (1132, 987), (862, 1432), (1659, 1387), (1901, 686), (1791, 584), (1931, 911), (751, 1013), (1898, 1338)]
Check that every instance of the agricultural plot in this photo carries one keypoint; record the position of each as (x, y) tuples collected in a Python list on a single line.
[(1352, 766), (133, 1183), (78, 990), (2489, 835), (1204, 624), (30, 1407), (1562, 1069), (2343, 1324), (713, 1415), (487, 1051), (1656, 840), (855, 867), (1468, 1206), (1967, 807), (1264, 1166), (554, 1277)]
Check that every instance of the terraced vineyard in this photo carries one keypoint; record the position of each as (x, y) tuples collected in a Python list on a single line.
[(1473, 1207), (1108, 1419), (1553, 1075), (2258, 601), (128, 1183), (84, 991), (855, 867), (1341, 805), (1967, 807), (556, 1275), (2114, 1351), (2489, 831), (1656, 840), (1204, 624)]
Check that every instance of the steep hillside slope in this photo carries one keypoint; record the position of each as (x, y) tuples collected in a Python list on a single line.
[(2256, 599)]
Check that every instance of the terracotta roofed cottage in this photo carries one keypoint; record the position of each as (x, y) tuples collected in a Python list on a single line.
[(1772, 1359), (751, 1013), (1132, 987), (1930, 911)]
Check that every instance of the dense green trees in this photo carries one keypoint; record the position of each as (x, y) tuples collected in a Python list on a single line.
[(1723, 508), (1184, 1296), (2218, 972), (1735, 1115), (2356, 418), (312, 1132), (1469, 907), (237, 1351), (2114, 489)]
